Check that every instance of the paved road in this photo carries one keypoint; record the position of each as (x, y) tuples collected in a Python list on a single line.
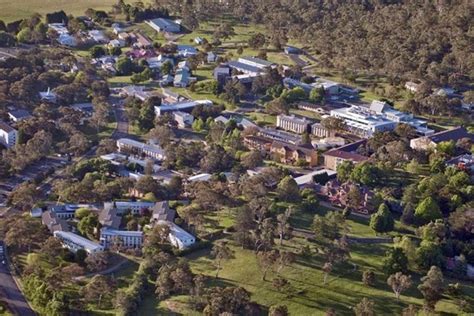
[(11, 294), (122, 122), (297, 60)]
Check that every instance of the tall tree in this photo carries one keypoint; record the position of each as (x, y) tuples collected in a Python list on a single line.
[(399, 282)]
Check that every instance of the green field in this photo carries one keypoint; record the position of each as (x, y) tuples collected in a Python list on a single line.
[(14, 10)]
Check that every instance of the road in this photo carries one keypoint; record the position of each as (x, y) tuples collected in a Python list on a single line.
[(122, 122), (11, 294)]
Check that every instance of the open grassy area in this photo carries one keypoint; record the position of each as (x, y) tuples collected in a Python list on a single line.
[(14, 10)]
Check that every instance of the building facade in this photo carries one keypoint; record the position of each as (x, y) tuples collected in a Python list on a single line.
[(8, 135), (293, 124), (123, 238)]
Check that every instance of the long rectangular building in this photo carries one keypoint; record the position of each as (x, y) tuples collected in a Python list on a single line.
[(185, 106), (294, 124), (127, 239), (127, 145), (75, 242)]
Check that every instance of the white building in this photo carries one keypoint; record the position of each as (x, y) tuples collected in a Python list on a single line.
[(135, 207), (293, 123), (256, 62), (200, 177), (412, 86), (319, 131), (180, 106), (116, 43), (178, 236), (75, 242), (164, 25), (136, 92), (48, 96), (128, 239), (183, 119), (8, 135), (98, 36), (138, 148), (330, 87), (67, 40)]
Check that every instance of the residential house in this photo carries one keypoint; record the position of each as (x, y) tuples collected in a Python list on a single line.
[(67, 40), (430, 142), (75, 242), (117, 43), (164, 25), (198, 40), (135, 91), (8, 135), (117, 28), (178, 236), (335, 157), (211, 57), (183, 78), (186, 51), (98, 36), (463, 162), (142, 41)]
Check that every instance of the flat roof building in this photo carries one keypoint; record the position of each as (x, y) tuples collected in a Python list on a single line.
[(178, 236), (127, 145), (126, 238), (184, 106), (75, 242), (8, 135), (164, 25), (292, 123)]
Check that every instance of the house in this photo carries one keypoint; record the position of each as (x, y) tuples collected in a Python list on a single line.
[(183, 119), (335, 157), (98, 36), (338, 194), (178, 236), (198, 40), (445, 91), (185, 51), (164, 25), (430, 142), (221, 73), (211, 57), (142, 41), (292, 123), (412, 86), (130, 146), (18, 115), (290, 154), (134, 207), (166, 80), (117, 28), (67, 40), (48, 96), (184, 106), (53, 223), (186, 65), (126, 239), (117, 43), (75, 242), (161, 211), (291, 83), (183, 78), (8, 135), (292, 50), (36, 212), (59, 28), (127, 37), (135, 91)]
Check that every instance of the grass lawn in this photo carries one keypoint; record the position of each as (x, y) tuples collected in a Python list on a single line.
[(14, 10), (262, 118)]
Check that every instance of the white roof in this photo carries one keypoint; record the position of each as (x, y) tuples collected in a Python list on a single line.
[(308, 178), (200, 177), (146, 147), (126, 233), (176, 231), (79, 240)]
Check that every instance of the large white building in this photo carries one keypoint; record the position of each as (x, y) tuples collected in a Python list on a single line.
[(379, 117), (127, 239), (293, 124), (164, 25), (75, 242), (126, 145), (184, 106), (178, 236), (8, 135)]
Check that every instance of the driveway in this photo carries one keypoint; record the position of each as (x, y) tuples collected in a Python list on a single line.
[(11, 294)]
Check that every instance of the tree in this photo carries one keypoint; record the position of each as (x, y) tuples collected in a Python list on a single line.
[(410, 310), (87, 225), (251, 160), (368, 277), (316, 95), (427, 210), (220, 252), (399, 282), (333, 124), (429, 254), (267, 259), (344, 170), (283, 225), (432, 287), (382, 221), (327, 268), (395, 261), (51, 248), (288, 190), (6, 39), (97, 51), (97, 261), (257, 41), (147, 116), (125, 66), (364, 308), (278, 310), (98, 288)]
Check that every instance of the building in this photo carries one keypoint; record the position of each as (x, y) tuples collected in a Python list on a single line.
[(244, 68), (291, 83), (130, 146), (117, 43), (48, 96), (200, 177), (330, 87), (8, 135), (222, 73), (98, 36), (430, 142), (136, 92), (198, 40), (183, 119), (53, 223), (185, 106), (18, 115), (308, 179), (463, 162), (335, 157), (278, 135), (67, 40), (290, 154), (67, 211), (142, 41), (161, 211), (134, 207), (186, 50), (109, 217), (338, 194), (256, 62), (178, 236), (183, 78), (211, 57), (126, 239), (241, 121), (258, 143), (75, 242), (164, 25), (292, 50), (292, 123), (412, 86), (320, 131)]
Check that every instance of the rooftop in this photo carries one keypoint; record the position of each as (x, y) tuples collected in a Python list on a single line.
[(5, 127), (78, 240)]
